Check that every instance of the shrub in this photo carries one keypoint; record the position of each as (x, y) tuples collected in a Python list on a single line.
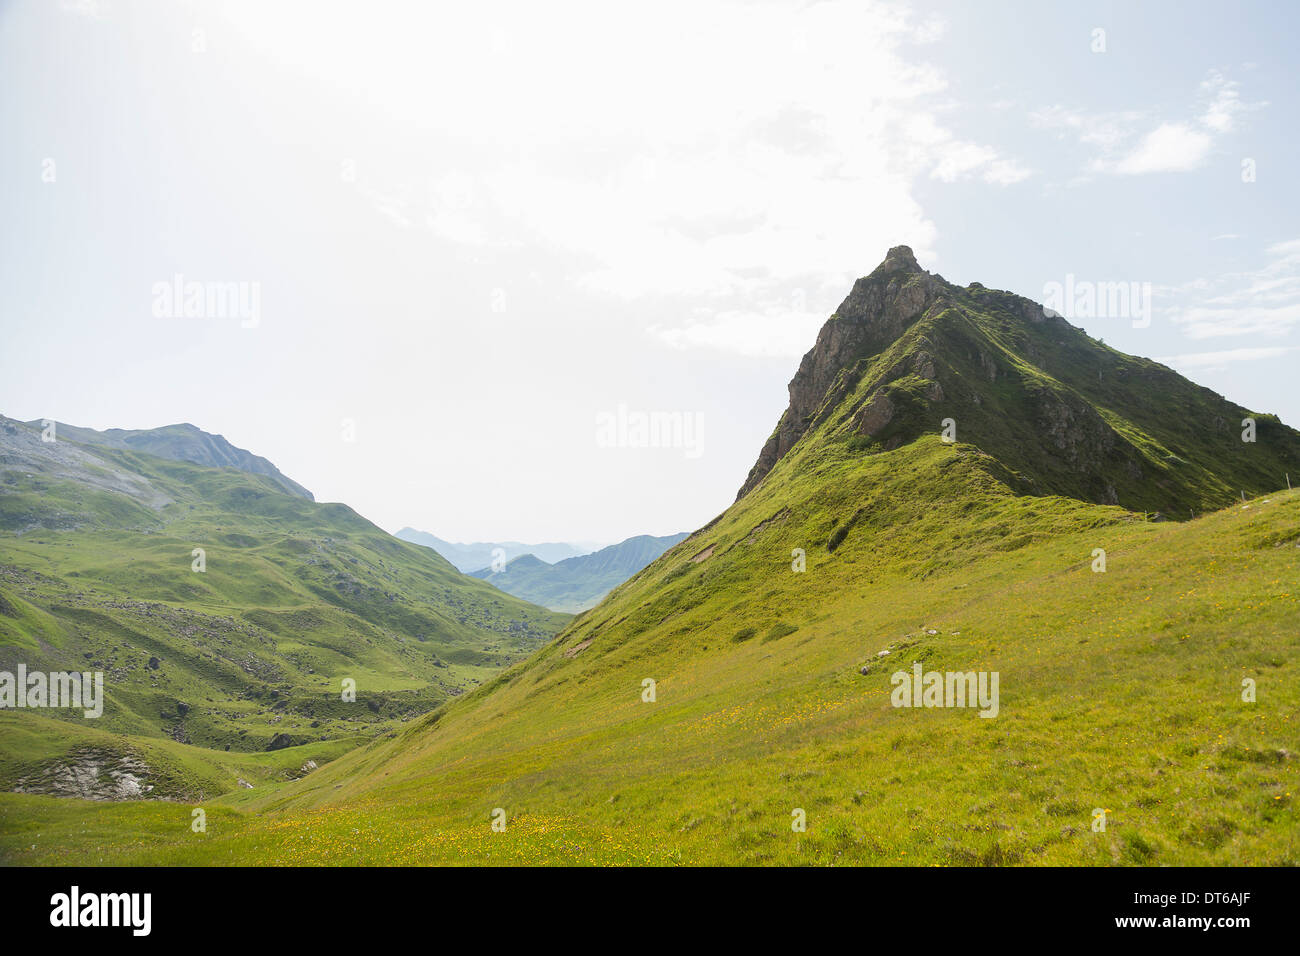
[(779, 630)]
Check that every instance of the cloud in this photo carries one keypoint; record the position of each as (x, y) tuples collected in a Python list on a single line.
[(929, 144), (1204, 361), (1264, 301), (959, 159), (93, 9), (1222, 102), (930, 30), (751, 334), (1170, 147), (1126, 143), (776, 149), (1105, 131)]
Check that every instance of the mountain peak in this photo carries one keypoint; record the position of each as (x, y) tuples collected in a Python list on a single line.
[(877, 312), (1063, 413), (898, 259)]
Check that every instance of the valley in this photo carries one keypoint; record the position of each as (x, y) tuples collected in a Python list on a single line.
[(224, 610)]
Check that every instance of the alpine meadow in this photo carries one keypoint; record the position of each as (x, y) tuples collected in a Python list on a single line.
[(1071, 535)]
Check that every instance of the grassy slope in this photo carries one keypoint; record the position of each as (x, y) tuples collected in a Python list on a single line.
[(295, 597), (1118, 690)]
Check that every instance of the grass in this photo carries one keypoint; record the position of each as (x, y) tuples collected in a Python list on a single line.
[(1119, 691)]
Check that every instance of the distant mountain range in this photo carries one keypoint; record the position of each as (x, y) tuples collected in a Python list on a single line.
[(480, 554), (184, 442), (576, 584)]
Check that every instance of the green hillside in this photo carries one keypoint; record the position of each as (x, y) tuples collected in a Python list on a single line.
[(97, 573), (864, 544), (1119, 691), (577, 583)]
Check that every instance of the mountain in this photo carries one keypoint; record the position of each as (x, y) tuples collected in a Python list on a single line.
[(481, 554), (576, 584), (212, 659), (182, 442), (743, 684), (1061, 412)]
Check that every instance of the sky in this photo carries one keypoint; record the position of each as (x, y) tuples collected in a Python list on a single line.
[(448, 263)]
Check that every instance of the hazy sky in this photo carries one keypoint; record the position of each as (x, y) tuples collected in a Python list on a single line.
[(466, 232)]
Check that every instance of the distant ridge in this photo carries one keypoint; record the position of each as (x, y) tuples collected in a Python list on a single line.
[(181, 442), (481, 554), (576, 584)]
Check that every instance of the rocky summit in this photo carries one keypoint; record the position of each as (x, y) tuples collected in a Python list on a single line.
[(1062, 413)]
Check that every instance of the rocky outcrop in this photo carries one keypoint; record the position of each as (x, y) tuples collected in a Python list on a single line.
[(1075, 429), (90, 774), (879, 309), (875, 415)]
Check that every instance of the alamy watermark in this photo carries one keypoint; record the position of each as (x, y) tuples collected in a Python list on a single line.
[(629, 428), (37, 689), (953, 689), (191, 299), (1084, 299), (76, 908)]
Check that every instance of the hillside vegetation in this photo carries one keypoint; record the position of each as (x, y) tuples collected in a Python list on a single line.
[(1119, 690), (98, 572)]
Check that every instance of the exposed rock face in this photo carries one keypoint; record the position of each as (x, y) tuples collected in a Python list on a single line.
[(24, 453), (923, 364), (875, 415), (878, 310), (90, 774), (1075, 430)]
